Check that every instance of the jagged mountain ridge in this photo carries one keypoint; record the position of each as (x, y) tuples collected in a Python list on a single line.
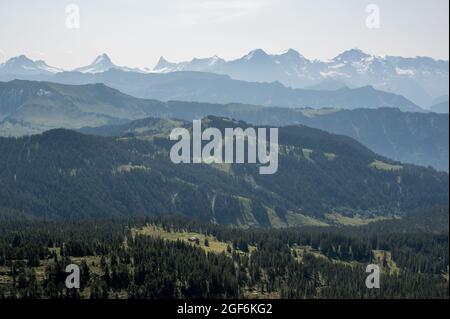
[(420, 79)]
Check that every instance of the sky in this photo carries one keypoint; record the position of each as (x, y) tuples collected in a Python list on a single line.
[(136, 33)]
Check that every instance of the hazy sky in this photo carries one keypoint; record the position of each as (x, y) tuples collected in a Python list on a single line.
[(137, 33)]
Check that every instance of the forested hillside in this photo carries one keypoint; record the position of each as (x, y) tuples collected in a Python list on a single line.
[(28, 107), (322, 179)]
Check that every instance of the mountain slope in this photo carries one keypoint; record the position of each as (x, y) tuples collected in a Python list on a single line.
[(207, 87), (213, 88), (32, 107), (50, 105), (418, 138), (66, 174), (442, 108)]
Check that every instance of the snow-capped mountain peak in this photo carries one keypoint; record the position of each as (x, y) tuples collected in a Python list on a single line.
[(44, 66), (164, 66), (196, 64), (215, 59), (419, 78), (256, 54), (290, 58), (103, 59), (351, 55), (291, 53), (103, 63), (207, 62), (163, 61), (20, 59), (25, 66)]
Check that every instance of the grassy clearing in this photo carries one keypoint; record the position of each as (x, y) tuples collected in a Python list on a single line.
[(290, 150), (5, 279), (130, 168), (215, 246), (301, 251), (384, 260), (307, 153), (385, 166), (296, 219), (248, 219), (224, 167), (308, 112), (330, 156), (356, 220), (275, 220)]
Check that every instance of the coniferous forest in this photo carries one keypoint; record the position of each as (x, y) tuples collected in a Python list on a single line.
[(118, 259), (223, 157), (141, 227)]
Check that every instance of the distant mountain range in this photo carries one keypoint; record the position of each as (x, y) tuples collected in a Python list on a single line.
[(440, 105), (103, 63), (320, 174), (28, 107), (440, 108), (420, 79), (23, 65), (215, 88)]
